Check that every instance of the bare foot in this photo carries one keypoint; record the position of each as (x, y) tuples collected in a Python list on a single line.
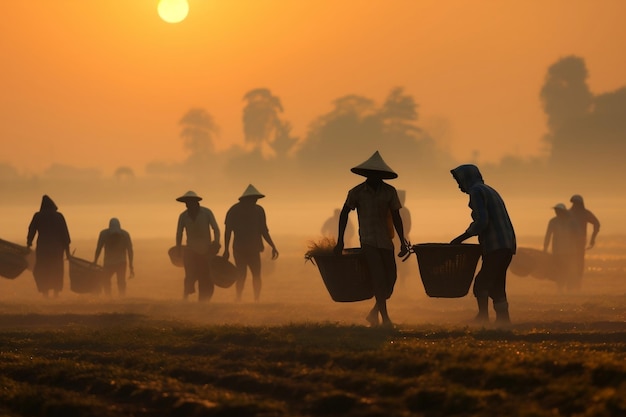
[(372, 318)]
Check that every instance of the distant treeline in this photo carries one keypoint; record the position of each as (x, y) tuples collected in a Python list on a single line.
[(585, 146)]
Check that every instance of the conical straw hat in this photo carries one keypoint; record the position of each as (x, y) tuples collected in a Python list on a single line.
[(189, 195), (375, 166), (251, 192)]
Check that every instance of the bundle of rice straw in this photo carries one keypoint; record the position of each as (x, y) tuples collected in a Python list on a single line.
[(323, 246)]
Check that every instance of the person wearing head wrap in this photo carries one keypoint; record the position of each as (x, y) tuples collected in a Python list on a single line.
[(582, 217), (117, 246), (247, 223), (378, 210), (559, 238), (197, 222), (53, 240), (496, 236)]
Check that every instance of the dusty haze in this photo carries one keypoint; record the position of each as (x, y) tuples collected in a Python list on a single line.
[(293, 291)]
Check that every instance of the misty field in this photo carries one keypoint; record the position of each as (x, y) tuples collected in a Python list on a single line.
[(298, 353)]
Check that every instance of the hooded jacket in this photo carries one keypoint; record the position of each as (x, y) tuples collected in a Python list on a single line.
[(50, 227), (491, 222), (117, 244)]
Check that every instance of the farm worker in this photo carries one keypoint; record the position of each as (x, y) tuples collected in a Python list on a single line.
[(378, 210), (53, 239), (559, 238), (582, 216), (197, 222), (117, 246), (246, 221), (496, 236)]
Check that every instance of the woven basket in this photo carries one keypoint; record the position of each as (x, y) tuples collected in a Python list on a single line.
[(346, 276), (85, 277), (223, 273), (177, 257), (447, 271), (534, 262), (12, 259)]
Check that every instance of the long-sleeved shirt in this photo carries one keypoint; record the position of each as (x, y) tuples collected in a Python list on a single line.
[(491, 222), (116, 243)]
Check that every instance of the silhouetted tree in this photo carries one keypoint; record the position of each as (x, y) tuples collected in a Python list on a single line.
[(565, 93), (334, 138), (198, 131), (567, 102), (284, 142), (356, 127), (399, 114), (124, 173), (586, 133), (261, 117)]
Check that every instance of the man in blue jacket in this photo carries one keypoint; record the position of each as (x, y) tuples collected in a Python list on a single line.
[(496, 236)]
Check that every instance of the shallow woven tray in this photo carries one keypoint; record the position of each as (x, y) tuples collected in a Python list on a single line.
[(13, 259), (85, 277)]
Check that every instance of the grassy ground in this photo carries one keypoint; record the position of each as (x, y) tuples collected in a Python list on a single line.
[(298, 353), (112, 364)]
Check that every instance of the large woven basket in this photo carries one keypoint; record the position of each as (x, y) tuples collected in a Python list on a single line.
[(447, 271), (223, 273), (177, 256), (345, 276), (12, 259), (534, 262), (85, 277)]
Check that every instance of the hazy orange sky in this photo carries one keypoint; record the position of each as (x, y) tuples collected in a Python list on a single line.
[(103, 83)]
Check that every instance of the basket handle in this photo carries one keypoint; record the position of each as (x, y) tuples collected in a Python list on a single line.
[(409, 251)]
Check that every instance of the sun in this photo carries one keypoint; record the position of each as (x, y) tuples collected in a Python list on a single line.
[(173, 11)]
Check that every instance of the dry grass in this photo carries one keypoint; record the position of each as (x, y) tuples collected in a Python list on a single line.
[(298, 353)]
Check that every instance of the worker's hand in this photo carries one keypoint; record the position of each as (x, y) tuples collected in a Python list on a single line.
[(226, 254), (592, 243), (404, 250), (274, 253), (132, 273), (338, 248)]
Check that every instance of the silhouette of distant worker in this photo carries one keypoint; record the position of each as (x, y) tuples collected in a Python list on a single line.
[(246, 222), (53, 240), (582, 216), (331, 225), (378, 211), (197, 222), (117, 246), (492, 225), (559, 238)]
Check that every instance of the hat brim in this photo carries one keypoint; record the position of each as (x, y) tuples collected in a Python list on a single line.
[(386, 175), (184, 199)]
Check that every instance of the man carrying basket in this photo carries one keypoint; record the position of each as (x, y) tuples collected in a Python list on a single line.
[(378, 210), (492, 225)]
